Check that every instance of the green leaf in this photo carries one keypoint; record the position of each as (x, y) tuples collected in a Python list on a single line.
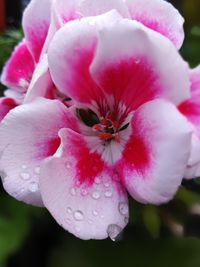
[(151, 220)]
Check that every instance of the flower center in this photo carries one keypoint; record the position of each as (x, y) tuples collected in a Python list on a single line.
[(106, 127)]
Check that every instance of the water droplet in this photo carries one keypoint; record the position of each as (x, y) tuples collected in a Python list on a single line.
[(25, 176), (95, 213), (78, 215), (84, 192), (37, 170), (69, 210), (97, 180), (73, 191), (108, 193), (22, 190), (33, 187), (78, 183), (137, 61), (68, 165), (123, 208), (78, 229), (106, 184), (126, 220), (113, 231), (24, 167), (68, 221), (96, 195)]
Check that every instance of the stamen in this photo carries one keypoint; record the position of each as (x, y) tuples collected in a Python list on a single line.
[(106, 136)]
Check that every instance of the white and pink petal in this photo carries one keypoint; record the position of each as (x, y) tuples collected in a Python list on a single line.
[(19, 68), (79, 191), (70, 59), (36, 22), (160, 16), (6, 104), (41, 84), (29, 134), (137, 70), (156, 155)]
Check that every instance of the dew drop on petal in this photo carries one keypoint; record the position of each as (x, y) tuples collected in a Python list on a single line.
[(78, 229), (106, 184), (69, 210), (24, 166), (108, 193), (78, 215), (126, 220), (95, 213), (73, 191), (123, 208), (84, 192), (78, 183), (137, 61), (68, 221), (22, 190), (96, 195), (25, 176), (97, 180), (113, 231), (68, 165), (33, 187), (37, 170)]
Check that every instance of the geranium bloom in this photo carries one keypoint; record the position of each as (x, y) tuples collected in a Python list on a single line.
[(122, 134), (191, 109), (18, 71)]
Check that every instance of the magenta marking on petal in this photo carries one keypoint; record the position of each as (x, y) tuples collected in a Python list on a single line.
[(132, 81), (47, 148), (36, 38), (19, 68)]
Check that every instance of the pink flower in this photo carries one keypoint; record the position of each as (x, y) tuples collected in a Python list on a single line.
[(191, 110), (18, 71), (123, 133)]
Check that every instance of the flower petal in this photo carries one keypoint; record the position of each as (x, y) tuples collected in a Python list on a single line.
[(98, 7), (191, 107), (36, 21), (191, 110), (159, 15), (69, 59), (17, 96), (79, 191), (193, 167), (18, 70), (156, 155), (28, 134), (41, 84), (138, 67), (6, 104)]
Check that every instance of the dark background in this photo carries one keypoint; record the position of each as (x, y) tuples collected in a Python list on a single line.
[(155, 237)]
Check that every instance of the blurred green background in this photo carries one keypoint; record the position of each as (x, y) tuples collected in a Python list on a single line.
[(155, 237)]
